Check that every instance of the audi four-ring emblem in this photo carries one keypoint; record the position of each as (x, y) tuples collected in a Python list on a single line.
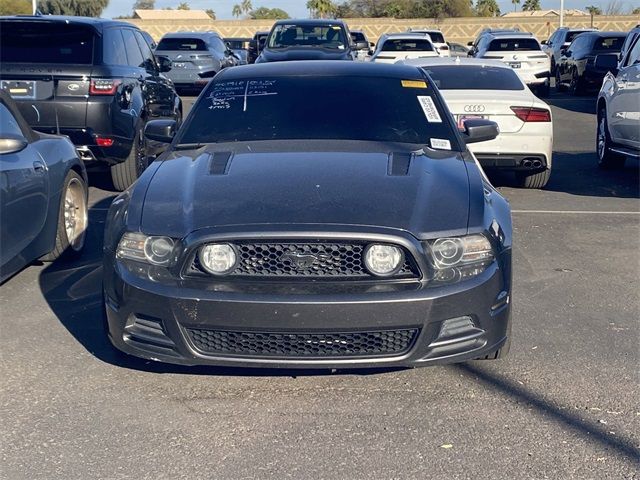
[(474, 108)]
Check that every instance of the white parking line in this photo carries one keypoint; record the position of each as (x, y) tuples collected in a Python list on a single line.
[(587, 212)]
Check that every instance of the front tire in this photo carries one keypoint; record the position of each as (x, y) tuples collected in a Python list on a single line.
[(575, 87), (533, 180), (559, 85), (607, 160), (73, 218), (124, 174)]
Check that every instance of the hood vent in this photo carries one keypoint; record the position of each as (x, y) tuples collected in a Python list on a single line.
[(220, 162), (399, 164)]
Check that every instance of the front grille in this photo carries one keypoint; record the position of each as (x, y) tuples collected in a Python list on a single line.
[(319, 260), (303, 345)]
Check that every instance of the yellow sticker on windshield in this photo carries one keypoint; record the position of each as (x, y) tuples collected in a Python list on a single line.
[(414, 84)]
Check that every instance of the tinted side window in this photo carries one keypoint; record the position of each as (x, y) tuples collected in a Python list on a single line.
[(147, 54), (633, 58), (8, 124), (133, 50), (218, 45), (612, 44), (113, 50)]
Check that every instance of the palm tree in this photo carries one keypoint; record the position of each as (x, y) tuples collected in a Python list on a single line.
[(246, 6), (593, 10), (515, 4), (236, 11), (321, 8)]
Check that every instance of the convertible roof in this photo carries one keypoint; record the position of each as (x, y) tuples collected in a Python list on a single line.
[(323, 68)]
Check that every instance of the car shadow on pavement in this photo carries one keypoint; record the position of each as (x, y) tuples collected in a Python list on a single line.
[(73, 291), (578, 104), (577, 173), (549, 409)]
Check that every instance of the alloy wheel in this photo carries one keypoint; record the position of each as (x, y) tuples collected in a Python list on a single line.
[(75, 214)]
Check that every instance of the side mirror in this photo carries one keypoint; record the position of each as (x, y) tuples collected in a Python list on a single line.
[(253, 45), (164, 63), (479, 130), (469, 44), (372, 45), (362, 46), (161, 131), (544, 42), (607, 61), (12, 144)]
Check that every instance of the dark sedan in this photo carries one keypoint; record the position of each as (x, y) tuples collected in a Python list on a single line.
[(277, 232), (577, 69), (43, 194)]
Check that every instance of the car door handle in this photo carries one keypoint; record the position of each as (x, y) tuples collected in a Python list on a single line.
[(39, 166)]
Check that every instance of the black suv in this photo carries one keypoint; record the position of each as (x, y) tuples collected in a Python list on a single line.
[(309, 39), (95, 80)]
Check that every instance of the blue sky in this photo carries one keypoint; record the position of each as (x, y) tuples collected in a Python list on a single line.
[(296, 8)]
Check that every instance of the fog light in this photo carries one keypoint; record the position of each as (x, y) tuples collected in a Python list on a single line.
[(383, 260), (218, 258)]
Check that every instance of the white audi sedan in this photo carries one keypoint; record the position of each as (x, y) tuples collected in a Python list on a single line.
[(478, 88), (392, 47)]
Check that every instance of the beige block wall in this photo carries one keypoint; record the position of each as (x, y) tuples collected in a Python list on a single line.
[(459, 30)]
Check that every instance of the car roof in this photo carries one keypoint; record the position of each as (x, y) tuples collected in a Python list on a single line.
[(426, 30), (612, 33), (451, 61), (324, 68), (406, 35), (97, 23), (238, 39), (190, 34), (309, 21), (511, 34)]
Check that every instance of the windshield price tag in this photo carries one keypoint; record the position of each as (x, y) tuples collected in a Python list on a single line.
[(429, 109), (440, 144)]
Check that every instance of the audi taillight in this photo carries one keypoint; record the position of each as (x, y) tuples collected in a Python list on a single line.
[(103, 86), (530, 114)]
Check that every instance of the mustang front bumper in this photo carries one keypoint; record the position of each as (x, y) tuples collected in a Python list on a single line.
[(308, 324)]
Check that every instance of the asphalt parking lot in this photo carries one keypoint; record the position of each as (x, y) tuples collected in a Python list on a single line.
[(564, 404)]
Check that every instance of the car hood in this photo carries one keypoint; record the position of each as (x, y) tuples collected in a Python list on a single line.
[(424, 194), (302, 53)]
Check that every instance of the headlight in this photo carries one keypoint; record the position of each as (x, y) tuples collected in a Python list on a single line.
[(460, 251), (156, 250), (383, 260), (218, 258)]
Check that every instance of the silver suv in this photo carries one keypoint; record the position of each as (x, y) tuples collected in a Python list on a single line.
[(618, 134), (196, 57)]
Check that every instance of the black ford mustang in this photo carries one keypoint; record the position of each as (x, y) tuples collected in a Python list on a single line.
[(278, 232)]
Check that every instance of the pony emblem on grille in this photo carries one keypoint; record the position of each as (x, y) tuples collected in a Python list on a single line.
[(303, 260)]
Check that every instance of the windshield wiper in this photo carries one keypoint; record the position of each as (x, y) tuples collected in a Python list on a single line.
[(189, 146)]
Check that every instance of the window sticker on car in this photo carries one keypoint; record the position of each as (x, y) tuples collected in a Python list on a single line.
[(414, 84), (429, 109), (224, 93), (440, 144)]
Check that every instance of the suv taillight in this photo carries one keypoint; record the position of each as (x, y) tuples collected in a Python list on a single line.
[(103, 86), (529, 114)]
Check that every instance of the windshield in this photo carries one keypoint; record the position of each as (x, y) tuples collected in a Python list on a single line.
[(513, 44), (46, 42), (407, 45), (464, 77), (189, 44), (318, 107), (325, 36)]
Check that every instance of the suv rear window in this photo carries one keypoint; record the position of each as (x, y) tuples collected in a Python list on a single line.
[(464, 77), (513, 44), (190, 44), (436, 37), (46, 42), (610, 44), (296, 108), (407, 45)]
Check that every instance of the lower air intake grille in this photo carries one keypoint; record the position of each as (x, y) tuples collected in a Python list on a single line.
[(345, 344)]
